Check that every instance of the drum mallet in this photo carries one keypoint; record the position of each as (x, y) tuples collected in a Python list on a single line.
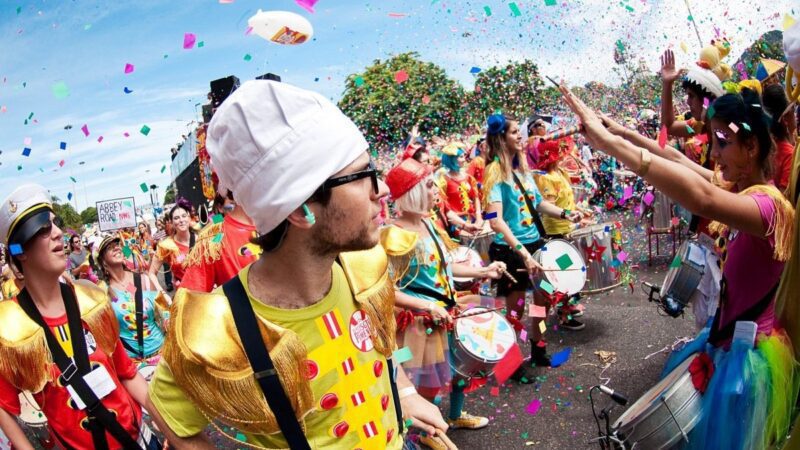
[(509, 276)]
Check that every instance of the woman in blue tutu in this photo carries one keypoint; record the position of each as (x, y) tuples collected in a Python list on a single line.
[(750, 385)]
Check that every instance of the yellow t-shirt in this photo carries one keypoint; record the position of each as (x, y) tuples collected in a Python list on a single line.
[(557, 189), (350, 380)]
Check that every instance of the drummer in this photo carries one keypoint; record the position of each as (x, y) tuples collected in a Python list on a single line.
[(420, 262), (755, 224), (460, 190), (514, 217), (554, 184), (142, 339)]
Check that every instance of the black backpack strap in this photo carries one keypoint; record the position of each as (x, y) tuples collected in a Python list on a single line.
[(192, 239), (137, 283), (717, 335), (263, 369), (74, 369), (534, 213)]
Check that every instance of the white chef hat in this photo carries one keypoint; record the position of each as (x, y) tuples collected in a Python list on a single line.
[(273, 145)]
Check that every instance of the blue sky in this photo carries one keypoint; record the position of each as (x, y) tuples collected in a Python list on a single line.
[(86, 45)]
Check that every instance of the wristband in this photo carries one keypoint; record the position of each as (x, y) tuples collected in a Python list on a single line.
[(564, 213), (644, 166), (406, 391)]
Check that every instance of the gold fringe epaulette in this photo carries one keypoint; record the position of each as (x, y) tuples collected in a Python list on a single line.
[(449, 243), (787, 300), (205, 250), (210, 365), (782, 227), (367, 273), (24, 356), (166, 249), (98, 314), (401, 248)]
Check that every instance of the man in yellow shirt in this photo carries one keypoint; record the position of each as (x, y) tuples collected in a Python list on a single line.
[(318, 303)]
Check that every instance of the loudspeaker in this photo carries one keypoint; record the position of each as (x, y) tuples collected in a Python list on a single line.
[(269, 76), (222, 88)]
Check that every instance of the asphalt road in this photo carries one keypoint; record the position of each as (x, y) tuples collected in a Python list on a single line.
[(618, 321)]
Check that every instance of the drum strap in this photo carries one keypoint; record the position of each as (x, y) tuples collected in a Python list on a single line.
[(263, 369), (450, 300), (534, 213), (74, 369), (717, 335), (137, 283), (192, 240)]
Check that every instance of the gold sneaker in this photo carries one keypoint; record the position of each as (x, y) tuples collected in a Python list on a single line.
[(432, 442), (468, 421)]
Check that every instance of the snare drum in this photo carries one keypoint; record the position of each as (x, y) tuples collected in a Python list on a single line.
[(479, 242), (479, 342), (564, 267), (33, 418), (465, 255), (681, 282), (594, 242), (660, 417)]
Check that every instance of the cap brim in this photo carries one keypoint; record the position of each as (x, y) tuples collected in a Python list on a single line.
[(28, 227), (106, 242)]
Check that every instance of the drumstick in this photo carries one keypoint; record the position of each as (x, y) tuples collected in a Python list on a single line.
[(508, 275), (476, 313), (552, 81), (553, 270), (447, 442)]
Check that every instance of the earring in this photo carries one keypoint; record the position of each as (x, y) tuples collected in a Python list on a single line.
[(310, 217)]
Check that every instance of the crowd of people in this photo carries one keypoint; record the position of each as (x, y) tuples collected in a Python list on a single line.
[(320, 306)]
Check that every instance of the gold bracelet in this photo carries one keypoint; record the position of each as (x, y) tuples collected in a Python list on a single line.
[(644, 165)]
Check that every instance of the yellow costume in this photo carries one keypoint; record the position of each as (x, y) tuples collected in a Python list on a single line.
[(330, 358)]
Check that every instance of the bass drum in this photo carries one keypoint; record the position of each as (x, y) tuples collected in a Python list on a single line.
[(479, 342), (470, 257)]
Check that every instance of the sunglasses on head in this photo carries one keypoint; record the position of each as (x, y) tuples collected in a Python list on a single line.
[(331, 183)]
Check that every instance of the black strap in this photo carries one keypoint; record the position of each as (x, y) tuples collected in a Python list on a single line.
[(191, 239), (717, 335), (450, 301), (395, 395), (73, 370), (249, 333), (534, 213), (137, 283)]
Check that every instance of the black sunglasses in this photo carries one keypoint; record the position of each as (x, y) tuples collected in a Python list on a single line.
[(331, 183), (46, 229)]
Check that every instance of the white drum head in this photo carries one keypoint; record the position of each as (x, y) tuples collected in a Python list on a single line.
[(488, 336), (466, 255), (564, 266)]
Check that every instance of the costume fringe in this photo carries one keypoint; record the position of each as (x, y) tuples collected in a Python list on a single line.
[(167, 249), (234, 397), (782, 227), (24, 362), (98, 314), (787, 301), (378, 304), (492, 175), (205, 249), (777, 351)]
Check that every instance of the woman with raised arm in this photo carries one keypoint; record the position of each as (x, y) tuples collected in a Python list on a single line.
[(748, 402)]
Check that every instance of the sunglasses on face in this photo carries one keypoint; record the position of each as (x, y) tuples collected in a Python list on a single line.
[(331, 183), (48, 228)]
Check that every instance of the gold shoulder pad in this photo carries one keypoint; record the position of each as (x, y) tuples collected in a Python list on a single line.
[(206, 357), (397, 241), (98, 314), (205, 250), (24, 356), (367, 273)]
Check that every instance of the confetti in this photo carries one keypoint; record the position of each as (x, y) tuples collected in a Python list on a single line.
[(128, 68), (564, 261), (308, 5), (127, 90), (400, 76), (550, 2), (533, 407), (163, 168), (85, 130), (546, 286), (145, 130), (537, 311), (648, 198), (60, 90), (733, 127), (217, 238), (676, 262), (188, 41), (514, 9), (62, 146), (402, 355), (487, 10), (508, 365), (144, 187), (247, 57), (662, 137), (558, 359), (26, 152)]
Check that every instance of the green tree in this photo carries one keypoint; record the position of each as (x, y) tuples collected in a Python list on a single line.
[(89, 215), (72, 220), (169, 195), (516, 90), (386, 107)]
